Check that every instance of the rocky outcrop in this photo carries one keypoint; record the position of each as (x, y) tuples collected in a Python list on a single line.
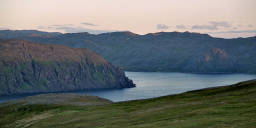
[(32, 68)]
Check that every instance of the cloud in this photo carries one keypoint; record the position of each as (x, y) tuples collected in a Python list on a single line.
[(162, 27), (89, 24), (54, 26), (60, 25), (250, 26), (213, 25), (181, 27), (40, 27), (207, 27), (221, 24), (4, 28), (70, 28), (78, 29), (238, 31), (240, 25)]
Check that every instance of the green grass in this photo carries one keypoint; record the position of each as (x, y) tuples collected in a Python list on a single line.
[(223, 107)]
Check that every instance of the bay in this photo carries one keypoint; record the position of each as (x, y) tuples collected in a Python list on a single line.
[(156, 84)]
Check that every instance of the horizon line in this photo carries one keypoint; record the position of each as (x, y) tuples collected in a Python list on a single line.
[(202, 33)]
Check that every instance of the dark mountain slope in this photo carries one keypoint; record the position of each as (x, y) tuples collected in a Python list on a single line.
[(165, 51), (31, 68)]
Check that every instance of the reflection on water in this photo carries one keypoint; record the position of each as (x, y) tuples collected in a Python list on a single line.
[(155, 84)]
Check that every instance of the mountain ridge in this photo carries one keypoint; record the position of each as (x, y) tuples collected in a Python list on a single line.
[(165, 51), (34, 31)]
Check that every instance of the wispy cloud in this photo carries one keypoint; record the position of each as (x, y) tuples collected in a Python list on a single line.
[(221, 24), (234, 28), (162, 27), (89, 24), (207, 27), (238, 31), (4, 28), (69, 29), (181, 26), (40, 27), (61, 25), (250, 26), (213, 25)]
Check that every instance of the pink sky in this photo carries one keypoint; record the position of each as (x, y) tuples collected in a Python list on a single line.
[(221, 18)]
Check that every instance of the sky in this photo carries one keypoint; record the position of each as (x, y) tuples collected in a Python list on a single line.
[(219, 18)]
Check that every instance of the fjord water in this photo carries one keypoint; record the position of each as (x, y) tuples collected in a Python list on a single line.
[(155, 84)]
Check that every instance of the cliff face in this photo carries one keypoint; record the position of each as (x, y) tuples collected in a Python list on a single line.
[(31, 68)]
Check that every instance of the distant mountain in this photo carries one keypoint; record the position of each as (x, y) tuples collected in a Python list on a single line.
[(26, 33), (164, 51), (32, 68)]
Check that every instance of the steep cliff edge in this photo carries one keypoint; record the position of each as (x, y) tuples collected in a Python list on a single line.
[(32, 68)]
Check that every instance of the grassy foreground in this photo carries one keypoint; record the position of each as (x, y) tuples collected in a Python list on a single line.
[(223, 107)]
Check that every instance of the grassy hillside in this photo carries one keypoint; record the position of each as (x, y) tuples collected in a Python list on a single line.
[(22, 51), (223, 107)]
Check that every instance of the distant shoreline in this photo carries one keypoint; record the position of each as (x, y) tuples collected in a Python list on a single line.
[(206, 73)]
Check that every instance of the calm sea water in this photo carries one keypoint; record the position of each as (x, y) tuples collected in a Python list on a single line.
[(155, 84)]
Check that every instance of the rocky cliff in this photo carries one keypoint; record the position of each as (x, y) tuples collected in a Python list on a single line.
[(32, 68)]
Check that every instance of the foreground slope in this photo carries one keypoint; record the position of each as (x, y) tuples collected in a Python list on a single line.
[(60, 99), (222, 107), (32, 68), (163, 51)]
